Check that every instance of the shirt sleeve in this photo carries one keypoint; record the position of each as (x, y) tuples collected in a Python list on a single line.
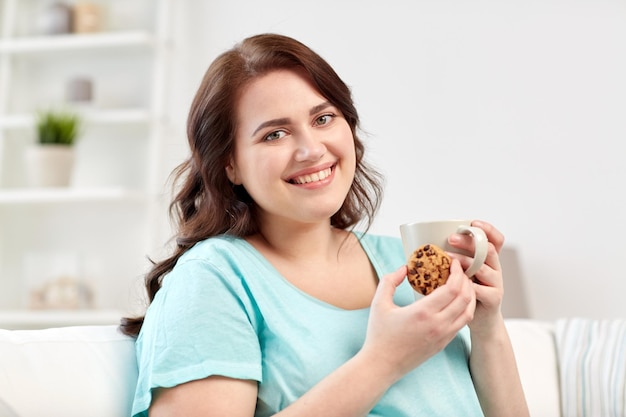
[(202, 322)]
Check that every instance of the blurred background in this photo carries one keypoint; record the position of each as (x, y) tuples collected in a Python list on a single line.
[(508, 111)]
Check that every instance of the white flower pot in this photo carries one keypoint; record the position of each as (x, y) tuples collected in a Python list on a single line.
[(49, 165)]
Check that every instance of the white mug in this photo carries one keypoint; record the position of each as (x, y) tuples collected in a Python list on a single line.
[(437, 233)]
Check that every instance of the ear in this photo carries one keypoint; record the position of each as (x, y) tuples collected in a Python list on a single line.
[(231, 172)]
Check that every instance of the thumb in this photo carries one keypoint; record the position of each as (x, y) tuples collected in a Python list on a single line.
[(388, 284), (455, 266)]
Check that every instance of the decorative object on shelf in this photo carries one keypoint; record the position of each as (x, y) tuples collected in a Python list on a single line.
[(54, 280), (79, 90), (57, 128), (55, 19), (86, 17), (50, 161), (64, 293)]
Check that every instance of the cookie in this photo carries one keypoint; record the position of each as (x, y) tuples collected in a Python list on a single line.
[(429, 268)]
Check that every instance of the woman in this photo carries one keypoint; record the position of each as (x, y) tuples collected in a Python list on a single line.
[(270, 304)]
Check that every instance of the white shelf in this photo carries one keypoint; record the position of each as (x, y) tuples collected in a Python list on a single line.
[(121, 153), (68, 195), (41, 319), (91, 116), (72, 42)]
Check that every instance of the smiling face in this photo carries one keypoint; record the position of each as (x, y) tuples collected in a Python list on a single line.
[(294, 151)]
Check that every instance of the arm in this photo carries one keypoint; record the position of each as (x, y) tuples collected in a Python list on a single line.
[(218, 396), (495, 374), (389, 352), (492, 361)]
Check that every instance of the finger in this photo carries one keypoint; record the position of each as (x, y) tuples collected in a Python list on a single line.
[(493, 234), (388, 284), (489, 297), (464, 261), (490, 272), (461, 307), (468, 314), (481, 291), (455, 267), (492, 260), (462, 241), (441, 297)]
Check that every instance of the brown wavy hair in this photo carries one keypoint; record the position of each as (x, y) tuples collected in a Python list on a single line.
[(206, 203)]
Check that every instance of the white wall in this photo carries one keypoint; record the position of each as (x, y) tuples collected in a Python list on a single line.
[(509, 111)]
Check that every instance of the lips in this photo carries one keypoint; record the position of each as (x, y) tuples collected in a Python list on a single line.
[(312, 177)]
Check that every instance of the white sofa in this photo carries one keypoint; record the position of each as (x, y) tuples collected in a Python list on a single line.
[(91, 370)]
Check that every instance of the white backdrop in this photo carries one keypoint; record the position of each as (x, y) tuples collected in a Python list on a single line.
[(509, 111)]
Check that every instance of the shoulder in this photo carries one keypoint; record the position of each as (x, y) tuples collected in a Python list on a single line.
[(219, 257), (213, 273), (216, 246), (383, 242), (219, 252), (380, 244), (385, 252)]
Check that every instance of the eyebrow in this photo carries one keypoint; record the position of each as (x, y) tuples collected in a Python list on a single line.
[(285, 120)]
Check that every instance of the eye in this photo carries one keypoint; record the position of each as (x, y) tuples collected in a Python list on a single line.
[(277, 134), (324, 119)]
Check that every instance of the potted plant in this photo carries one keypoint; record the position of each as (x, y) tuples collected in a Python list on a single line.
[(51, 159)]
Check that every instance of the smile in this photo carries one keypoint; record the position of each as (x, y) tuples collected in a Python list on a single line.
[(314, 177)]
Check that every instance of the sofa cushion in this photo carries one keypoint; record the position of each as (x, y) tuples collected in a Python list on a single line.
[(535, 353), (39, 376), (92, 370), (592, 363)]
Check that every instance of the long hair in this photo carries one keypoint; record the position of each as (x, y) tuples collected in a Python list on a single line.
[(206, 203)]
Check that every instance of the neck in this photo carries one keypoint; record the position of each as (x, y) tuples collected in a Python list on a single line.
[(316, 242)]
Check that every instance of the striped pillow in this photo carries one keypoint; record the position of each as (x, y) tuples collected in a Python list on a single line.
[(592, 361)]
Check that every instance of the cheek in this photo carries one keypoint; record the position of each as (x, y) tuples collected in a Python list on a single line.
[(260, 178), (258, 170), (348, 148)]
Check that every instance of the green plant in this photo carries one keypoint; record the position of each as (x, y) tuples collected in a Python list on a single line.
[(60, 128)]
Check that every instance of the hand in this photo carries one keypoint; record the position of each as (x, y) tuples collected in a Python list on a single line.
[(493, 235), (407, 336), (488, 285)]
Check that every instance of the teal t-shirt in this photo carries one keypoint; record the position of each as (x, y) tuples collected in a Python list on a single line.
[(225, 310)]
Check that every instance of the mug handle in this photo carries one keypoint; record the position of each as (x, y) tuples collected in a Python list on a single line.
[(480, 247)]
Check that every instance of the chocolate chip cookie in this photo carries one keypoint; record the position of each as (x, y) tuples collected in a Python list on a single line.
[(429, 268)]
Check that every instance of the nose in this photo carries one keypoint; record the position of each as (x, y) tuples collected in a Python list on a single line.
[(309, 148)]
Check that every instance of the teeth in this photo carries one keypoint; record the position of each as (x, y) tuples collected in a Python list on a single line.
[(318, 176)]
